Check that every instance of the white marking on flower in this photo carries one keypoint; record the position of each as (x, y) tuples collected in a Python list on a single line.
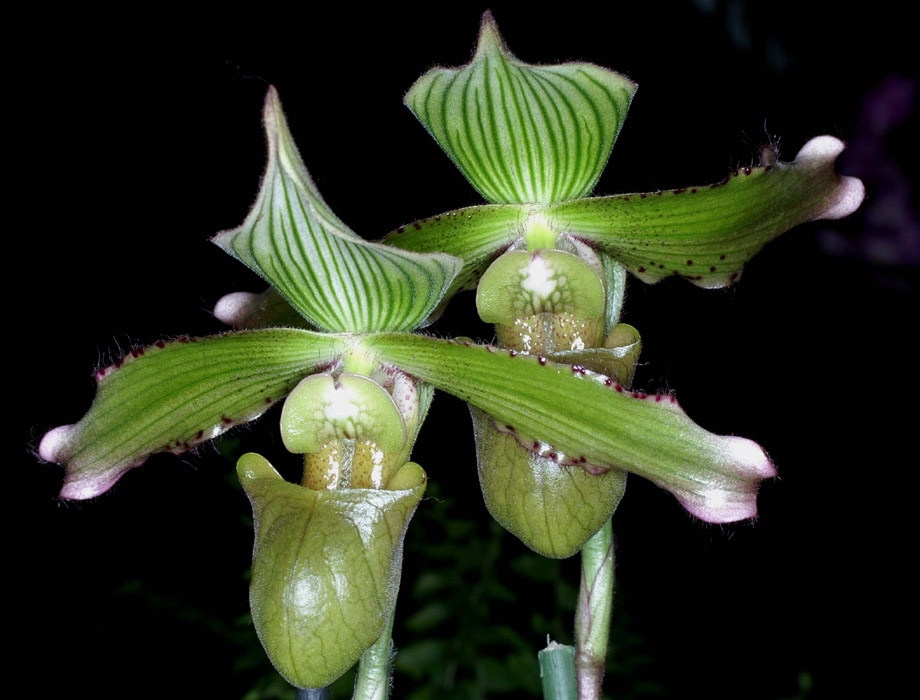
[(539, 280)]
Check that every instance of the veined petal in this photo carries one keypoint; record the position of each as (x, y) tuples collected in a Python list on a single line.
[(326, 567), (173, 395), (335, 279), (589, 419), (522, 132), (706, 234), (476, 235)]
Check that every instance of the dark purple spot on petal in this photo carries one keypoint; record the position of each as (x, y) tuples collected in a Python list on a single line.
[(160, 344), (689, 262), (541, 360)]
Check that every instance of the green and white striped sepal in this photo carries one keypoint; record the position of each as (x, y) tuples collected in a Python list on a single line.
[(334, 278), (521, 132)]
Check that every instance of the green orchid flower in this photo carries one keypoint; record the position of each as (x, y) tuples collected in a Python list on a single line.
[(332, 340), (549, 262)]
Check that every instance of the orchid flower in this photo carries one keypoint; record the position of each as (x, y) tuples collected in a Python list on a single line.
[(549, 262), (333, 340)]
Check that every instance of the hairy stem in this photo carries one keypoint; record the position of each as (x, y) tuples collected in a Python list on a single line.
[(373, 680), (592, 613), (313, 693)]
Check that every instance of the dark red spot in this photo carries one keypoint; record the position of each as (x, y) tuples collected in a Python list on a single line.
[(618, 388), (721, 257), (689, 262), (658, 398), (417, 225), (400, 229), (641, 269), (226, 420), (643, 195), (199, 435), (747, 171), (733, 277), (268, 399), (680, 191), (673, 400), (661, 267), (137, 353), (553, 456), (582, 459), (509, 428), (734, 173), (674, 272), (541, 360), (182, 338), (767, 167), (178, 443), (512, 353), (608, 381), (693, 191), (536, 446), (659, 192), (712, 268), (100, 374), (578, 369), (119, 362)]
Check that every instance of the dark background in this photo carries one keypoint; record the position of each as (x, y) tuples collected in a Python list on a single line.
[(138, 145)]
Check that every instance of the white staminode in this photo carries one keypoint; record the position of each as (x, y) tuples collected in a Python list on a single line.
[(539, 279), (342, 406)]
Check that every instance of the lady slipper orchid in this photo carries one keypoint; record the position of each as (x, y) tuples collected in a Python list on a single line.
[(557, 427), (549, 262)]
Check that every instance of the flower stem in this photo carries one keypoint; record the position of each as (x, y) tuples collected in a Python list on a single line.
[(557, 669), (312, 693), (373, 680), (592, 613)]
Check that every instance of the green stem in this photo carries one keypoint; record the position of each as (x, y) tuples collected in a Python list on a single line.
[(592, 614), (312, 693), (373, 680), (557, 669)]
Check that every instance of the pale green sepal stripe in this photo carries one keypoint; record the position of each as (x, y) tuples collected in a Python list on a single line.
[(522, 132), (476, 235), (325, 570), (335, 279), (173, 395), (707, 234), (586, 418)]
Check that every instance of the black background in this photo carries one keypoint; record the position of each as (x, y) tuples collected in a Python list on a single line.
[(135, 146)]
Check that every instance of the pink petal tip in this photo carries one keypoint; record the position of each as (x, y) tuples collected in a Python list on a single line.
[(53, 444), (234, 307)]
